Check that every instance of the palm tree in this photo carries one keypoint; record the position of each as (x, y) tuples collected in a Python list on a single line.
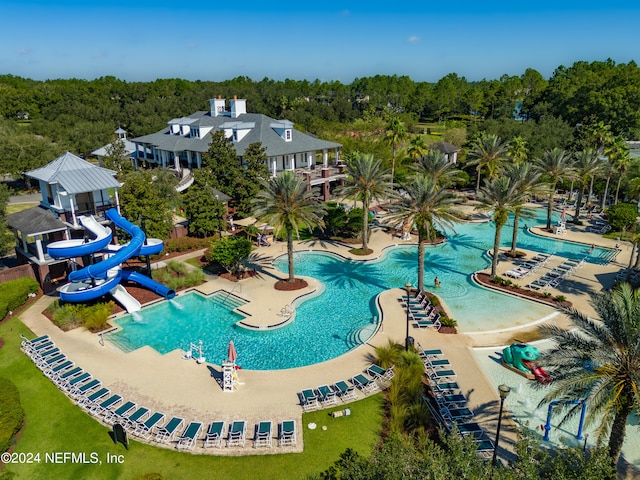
[(499, 195), (366, 181), (622, 162), (526, 180), (555, 165), (435, 164), (286, 204), (425, 206), (488, 151), (417, 147), (616, 148), (599, 361), (518, 149), (587, 164), (396, 134)]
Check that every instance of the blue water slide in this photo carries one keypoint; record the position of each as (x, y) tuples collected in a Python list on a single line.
[(125, 253), (85, 291), (149, 283)]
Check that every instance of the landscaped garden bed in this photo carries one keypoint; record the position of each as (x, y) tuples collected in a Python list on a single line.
[(507, 286)]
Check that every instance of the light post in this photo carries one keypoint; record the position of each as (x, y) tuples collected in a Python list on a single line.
[(503, 390), (408, 288)]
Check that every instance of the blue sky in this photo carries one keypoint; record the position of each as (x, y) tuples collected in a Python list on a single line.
[(141, 40)]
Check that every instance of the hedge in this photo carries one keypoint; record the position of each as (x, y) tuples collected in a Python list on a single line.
[(14, 294), (11, 413)]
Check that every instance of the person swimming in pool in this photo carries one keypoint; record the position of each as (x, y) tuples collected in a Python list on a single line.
[(437, 281)]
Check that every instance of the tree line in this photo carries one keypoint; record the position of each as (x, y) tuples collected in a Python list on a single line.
[(42, 118)]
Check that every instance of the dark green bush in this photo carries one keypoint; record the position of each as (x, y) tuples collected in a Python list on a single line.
[(69, 316), (14, 293), (11, 413), (186, 244)]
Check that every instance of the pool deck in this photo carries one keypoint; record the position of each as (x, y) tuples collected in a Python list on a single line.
[(175, 386)]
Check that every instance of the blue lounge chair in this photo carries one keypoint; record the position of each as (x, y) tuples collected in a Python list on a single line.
[(59, 368), (364, 384), (134, 418), (188, 438), (106, 405), (76, 381), (166, 433), (145, 429), (213, 438), (84, 389), (119, 414), (379, 373), (92, 399), (237, 432), (345, 391), (28, 344), (442, 374), (308, 400), (288, 433), (263, 434), (327, 395)]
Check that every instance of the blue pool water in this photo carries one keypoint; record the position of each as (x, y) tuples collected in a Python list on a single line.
[(344, 315)]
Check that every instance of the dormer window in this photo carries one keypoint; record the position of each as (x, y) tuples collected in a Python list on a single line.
[(287, 135), (195, 132), (235, 135)]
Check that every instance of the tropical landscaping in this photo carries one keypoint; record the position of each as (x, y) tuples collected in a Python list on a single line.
[(569, 154)]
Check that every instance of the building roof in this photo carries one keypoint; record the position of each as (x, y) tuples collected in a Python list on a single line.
[(445, 147), (35, 220), (263, 132), (75, 175), (129, 147)]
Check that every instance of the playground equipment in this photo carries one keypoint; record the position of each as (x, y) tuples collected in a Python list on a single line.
[(101, 278), (547, 426), (521, 358)]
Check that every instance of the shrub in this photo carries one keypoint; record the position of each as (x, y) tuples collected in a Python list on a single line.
[(68, 316), (560, 298), (12, 413), (447, 322), (95, 317), (177, 268), (186, 244), (14, 293), (546, 295), (506, 282), (497, 280)]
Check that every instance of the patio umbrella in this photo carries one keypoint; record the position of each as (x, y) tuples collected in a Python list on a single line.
[(564, 213), (232, 355)]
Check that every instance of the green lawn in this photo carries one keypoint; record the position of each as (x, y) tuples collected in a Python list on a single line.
[(54, 424), (18, 207)]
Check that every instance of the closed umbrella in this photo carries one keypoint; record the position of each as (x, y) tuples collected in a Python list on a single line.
[(232, 355)]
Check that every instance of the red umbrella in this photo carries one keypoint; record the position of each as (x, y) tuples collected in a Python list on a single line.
[(232, 355)]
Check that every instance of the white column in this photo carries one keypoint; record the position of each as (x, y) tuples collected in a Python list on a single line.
[(72, 199), (39, 248), (176, 162), (274, 166), (337, 155), (292, 159), (325, 158), (310, 156), (117, 200)]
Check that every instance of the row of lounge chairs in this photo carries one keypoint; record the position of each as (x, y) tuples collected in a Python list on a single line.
[(326, 395), (137, 420), (524, 269), (423, 314), (557, 275), (448, 405)]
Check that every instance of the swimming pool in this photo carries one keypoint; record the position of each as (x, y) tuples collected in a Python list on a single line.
[(344, 315)]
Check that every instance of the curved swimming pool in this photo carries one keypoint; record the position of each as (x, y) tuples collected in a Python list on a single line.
[(344, 314)]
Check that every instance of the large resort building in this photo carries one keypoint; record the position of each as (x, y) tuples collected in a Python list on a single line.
[(181, 144)]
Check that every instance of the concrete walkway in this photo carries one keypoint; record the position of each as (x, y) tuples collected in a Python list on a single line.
[(175, 386)]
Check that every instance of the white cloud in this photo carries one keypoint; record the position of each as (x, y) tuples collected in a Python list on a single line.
[(24, 51), (413, 39)]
